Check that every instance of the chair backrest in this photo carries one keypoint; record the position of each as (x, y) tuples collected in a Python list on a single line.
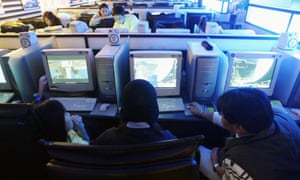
[(20, 153), (171, 159)]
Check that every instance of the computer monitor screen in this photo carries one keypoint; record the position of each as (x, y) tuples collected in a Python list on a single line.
[(161, 68), (69, 70), (253, 69), (5, 76)]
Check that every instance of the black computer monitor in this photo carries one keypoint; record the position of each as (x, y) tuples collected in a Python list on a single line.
[(105, 23), (163, 20), (194, 18)]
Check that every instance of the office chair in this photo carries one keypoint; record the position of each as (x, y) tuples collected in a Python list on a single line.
[(20, 153), (171, 159)]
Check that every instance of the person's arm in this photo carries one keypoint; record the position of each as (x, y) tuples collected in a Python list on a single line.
[(217, 166), (214, 117), (95, 20), (79, 125), (133, 21)]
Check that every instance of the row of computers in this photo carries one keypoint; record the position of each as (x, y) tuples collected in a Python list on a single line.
[(201, 76)]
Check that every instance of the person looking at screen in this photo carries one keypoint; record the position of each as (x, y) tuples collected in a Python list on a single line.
[(51, 19), (104, 12), (123, 20), (263, 147), (139, 116), (58, 125)]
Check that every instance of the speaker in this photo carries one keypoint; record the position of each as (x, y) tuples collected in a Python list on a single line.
[(114, 37), (288, 40), (27, 39)]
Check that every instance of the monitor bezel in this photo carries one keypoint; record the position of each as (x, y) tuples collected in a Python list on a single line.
[(6, 86), (252, 55), (70, 87), (166, 91)]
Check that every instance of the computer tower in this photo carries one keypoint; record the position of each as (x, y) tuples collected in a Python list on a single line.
[(112, 69), (206, 72), (287, 88)]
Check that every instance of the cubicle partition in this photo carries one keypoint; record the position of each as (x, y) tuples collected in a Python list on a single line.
[(150, 40)]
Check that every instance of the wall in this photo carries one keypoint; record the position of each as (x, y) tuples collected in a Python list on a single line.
[(13, 9)]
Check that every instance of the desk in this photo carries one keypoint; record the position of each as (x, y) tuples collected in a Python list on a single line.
[(179, 124)]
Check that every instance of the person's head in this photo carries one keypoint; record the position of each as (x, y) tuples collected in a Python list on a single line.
[(119, 14), (139, 102), (104, 10), (54, 120), (246, 108), (51, 19)]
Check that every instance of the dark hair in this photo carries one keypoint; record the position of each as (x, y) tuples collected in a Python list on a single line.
[(103, 5), (118, 10), (54, 19), (51, 117), (139, 102), (248, 107)]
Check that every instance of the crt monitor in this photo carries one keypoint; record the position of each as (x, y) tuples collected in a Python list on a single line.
[(161, 68), (26, 66), (69, 70), (253, 69), (6, 79)]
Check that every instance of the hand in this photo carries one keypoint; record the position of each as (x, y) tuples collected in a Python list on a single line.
[(195, 108), (77, 120), (214, 155), (79, 125), (215, 162), (43, 84)]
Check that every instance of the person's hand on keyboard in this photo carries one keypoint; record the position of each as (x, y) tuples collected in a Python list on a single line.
[(197, 109)]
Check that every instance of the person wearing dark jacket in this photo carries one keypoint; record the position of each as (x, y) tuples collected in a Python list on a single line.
[(263, 146), (139, 116)]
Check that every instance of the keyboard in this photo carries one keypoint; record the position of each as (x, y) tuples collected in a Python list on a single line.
[(6, 96), (77, 103), (170, 104), (203, 108)]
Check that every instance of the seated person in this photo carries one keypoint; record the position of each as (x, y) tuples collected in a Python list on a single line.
[(104, 12), (139, 116), (58, 125), (263, 147), (123, 20), (51, 19)]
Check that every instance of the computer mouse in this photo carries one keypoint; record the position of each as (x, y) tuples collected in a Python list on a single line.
[(103, 107)]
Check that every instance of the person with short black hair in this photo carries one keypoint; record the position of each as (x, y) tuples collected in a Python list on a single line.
[(139, 118), (123, 20), (263, 147), (103, 12), (51, 19)]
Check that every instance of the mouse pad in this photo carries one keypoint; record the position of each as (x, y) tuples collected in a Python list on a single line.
[(111, 111)]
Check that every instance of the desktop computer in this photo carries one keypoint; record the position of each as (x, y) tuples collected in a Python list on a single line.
[(112, 68), (206, 72), (287, 88)]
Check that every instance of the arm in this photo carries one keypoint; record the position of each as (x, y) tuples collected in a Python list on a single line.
[(214, 117), (217, 167), (95, 20), (79, 125)]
